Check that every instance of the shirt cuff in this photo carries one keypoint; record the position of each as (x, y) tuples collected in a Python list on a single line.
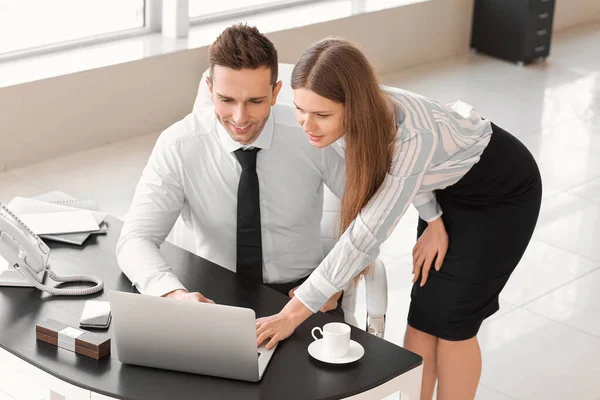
[(430, 219), (159, 284), (428, 207), (315, 292)]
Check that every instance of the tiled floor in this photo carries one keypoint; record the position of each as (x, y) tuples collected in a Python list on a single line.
[(545, 341)]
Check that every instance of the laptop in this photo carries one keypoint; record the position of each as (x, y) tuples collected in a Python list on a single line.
[(200, 338)]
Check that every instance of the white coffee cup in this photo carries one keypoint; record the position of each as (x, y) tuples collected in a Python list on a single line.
[(336, 339)]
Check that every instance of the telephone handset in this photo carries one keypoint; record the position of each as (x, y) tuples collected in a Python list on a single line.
[(28, 254)]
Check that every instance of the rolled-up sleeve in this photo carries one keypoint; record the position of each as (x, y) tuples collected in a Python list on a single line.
[(156, 204), (427, 206), (359, 244)]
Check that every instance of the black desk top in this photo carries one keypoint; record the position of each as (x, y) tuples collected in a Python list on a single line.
[(292, 373)]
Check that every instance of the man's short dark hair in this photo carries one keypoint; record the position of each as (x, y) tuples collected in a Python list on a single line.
[(243, 47)]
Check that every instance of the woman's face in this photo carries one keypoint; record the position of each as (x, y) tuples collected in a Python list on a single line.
[(321, 118)]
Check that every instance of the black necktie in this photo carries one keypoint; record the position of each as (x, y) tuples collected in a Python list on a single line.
[(249, 238)]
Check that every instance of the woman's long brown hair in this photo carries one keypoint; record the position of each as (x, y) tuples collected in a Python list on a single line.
[(339, 71)]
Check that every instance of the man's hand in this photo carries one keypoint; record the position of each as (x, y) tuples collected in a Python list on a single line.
[(183, 294), (331, 304), (433, 242)]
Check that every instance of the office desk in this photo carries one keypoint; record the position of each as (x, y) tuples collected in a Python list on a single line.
[(292, 373)]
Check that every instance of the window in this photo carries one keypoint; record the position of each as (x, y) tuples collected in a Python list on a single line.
[(202, 9), (29, 24)]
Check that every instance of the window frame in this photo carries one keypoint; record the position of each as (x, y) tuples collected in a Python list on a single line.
[(152, 23), (244, 11)]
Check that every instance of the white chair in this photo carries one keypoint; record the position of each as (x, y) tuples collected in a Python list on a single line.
[(375, 279)]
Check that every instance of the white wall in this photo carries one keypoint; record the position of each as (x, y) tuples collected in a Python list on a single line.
[(58, 116), (570, 13)]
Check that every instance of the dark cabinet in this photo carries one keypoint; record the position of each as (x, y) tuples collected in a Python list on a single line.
[(514, 30)]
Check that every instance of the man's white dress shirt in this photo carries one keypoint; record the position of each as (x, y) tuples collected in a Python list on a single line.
[(192, 171)]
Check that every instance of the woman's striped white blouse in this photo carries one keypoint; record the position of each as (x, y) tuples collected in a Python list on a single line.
[(435, 146)]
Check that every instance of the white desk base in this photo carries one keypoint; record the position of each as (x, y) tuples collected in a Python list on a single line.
[(408, 387), (21, 380)]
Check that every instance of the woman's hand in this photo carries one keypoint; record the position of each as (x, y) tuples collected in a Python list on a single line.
[(433, 242), (280, 326)]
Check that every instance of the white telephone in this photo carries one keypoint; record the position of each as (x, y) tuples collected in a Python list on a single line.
[(28, 254)]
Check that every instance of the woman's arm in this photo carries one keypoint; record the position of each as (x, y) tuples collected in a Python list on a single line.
[(359, 244)]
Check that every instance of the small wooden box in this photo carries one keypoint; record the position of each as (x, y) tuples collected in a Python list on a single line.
[(89, 344)]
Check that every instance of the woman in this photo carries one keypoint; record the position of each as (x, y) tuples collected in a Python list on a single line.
[(477, 189)]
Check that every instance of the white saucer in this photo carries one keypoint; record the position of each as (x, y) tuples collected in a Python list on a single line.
[(355, 353)]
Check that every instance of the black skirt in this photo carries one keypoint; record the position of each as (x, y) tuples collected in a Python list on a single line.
[(490, 215)]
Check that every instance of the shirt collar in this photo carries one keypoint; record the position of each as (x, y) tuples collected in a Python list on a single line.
[(339, 146), (262, 142)]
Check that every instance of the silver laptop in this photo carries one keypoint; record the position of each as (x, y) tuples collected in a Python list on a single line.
[(187, 336)]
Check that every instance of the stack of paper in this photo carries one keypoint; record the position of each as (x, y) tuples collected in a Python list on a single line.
[(60, 217)]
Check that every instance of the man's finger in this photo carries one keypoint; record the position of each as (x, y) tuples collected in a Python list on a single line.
[(200, 297)]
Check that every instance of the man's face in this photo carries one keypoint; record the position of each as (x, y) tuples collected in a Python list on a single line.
[(243, 100)]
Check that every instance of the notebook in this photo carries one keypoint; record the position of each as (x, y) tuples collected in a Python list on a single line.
[(64, 199), (71, 221), (76, 238), (57, 201)]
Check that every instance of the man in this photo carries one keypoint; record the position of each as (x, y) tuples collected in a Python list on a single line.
[(241, 174)]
